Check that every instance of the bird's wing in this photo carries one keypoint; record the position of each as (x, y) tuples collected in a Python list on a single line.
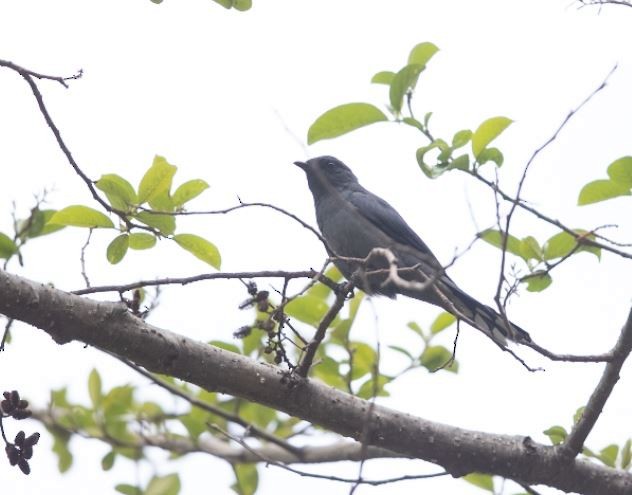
[(384, 217)]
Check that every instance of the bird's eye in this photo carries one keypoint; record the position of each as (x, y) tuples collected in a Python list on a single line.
[(330, 164)]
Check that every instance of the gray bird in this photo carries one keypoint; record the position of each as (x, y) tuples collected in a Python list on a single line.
[(354, 221)]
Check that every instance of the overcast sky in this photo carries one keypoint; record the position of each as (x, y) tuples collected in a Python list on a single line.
[(229, 96)]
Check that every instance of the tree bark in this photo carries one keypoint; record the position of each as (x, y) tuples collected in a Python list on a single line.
[(112, 328)]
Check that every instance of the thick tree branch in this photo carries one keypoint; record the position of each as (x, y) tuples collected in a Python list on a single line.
[(109, 326), (575, 440)]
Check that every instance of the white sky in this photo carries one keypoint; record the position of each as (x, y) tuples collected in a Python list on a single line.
[(220, 94)]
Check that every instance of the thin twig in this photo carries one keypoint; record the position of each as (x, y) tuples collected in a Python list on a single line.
[(194, 401), (312, 347), (521, 183), (239, 206), (323, 476), (365, 437), (5, 334), (82, 258), (30, 76), (208, 276)]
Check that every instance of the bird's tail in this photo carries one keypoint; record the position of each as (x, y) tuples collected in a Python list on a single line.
[(487, 320)]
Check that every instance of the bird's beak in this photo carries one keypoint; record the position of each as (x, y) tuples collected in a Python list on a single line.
[(302, 165)]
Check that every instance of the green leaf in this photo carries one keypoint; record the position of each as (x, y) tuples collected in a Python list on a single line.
[(328, 370), (81, 216), (162, 202), (118, 400), (200, 248), (247, 479), (242, 5), (414, 123), (537, 281), (496, 238), (141, 240), (308, 309), (189, 190), (340, 333), (487, 132), (443, 321), (562, 243), (36, 224), (94, 387), (364, 359), (60, 448), (118, 191), (163, 485), (383, 77), (166, 224), (321, 290), (405, 80), (370, 389), (620, 171), (433, 172), (354, 304), (530, 249), (578, 414), (124, 488), (117, 248), (227, 346), (601, 190), (626, 454), (343, 119), (7, 246), (195, 422), (558, 246), (484, 481), (108, 460), (403, 351), (157, 180), (422, 53), (461, 138), (462, 163), (415, 328), (490, 155), (609, 455), (557, 434), (257, 414), (434, 357), (427, 119)]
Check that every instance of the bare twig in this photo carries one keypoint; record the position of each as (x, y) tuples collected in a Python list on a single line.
[(240, 206), (517, 197), (82, 258), (208, 276), (521, 204), (30, 76), (6, 333), (601, 3), (365, 437), (312, 347), (194, 401), (281, 465)]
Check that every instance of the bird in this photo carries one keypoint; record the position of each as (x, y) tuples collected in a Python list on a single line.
[(354, 222)]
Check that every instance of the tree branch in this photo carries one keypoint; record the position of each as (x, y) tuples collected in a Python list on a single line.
[(575, 440), (110, 327), (208, 276)]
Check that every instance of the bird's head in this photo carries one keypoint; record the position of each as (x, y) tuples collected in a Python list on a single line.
[(326, 174)]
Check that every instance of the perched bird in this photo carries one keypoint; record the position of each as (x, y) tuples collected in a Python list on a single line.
[(354, 221)]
